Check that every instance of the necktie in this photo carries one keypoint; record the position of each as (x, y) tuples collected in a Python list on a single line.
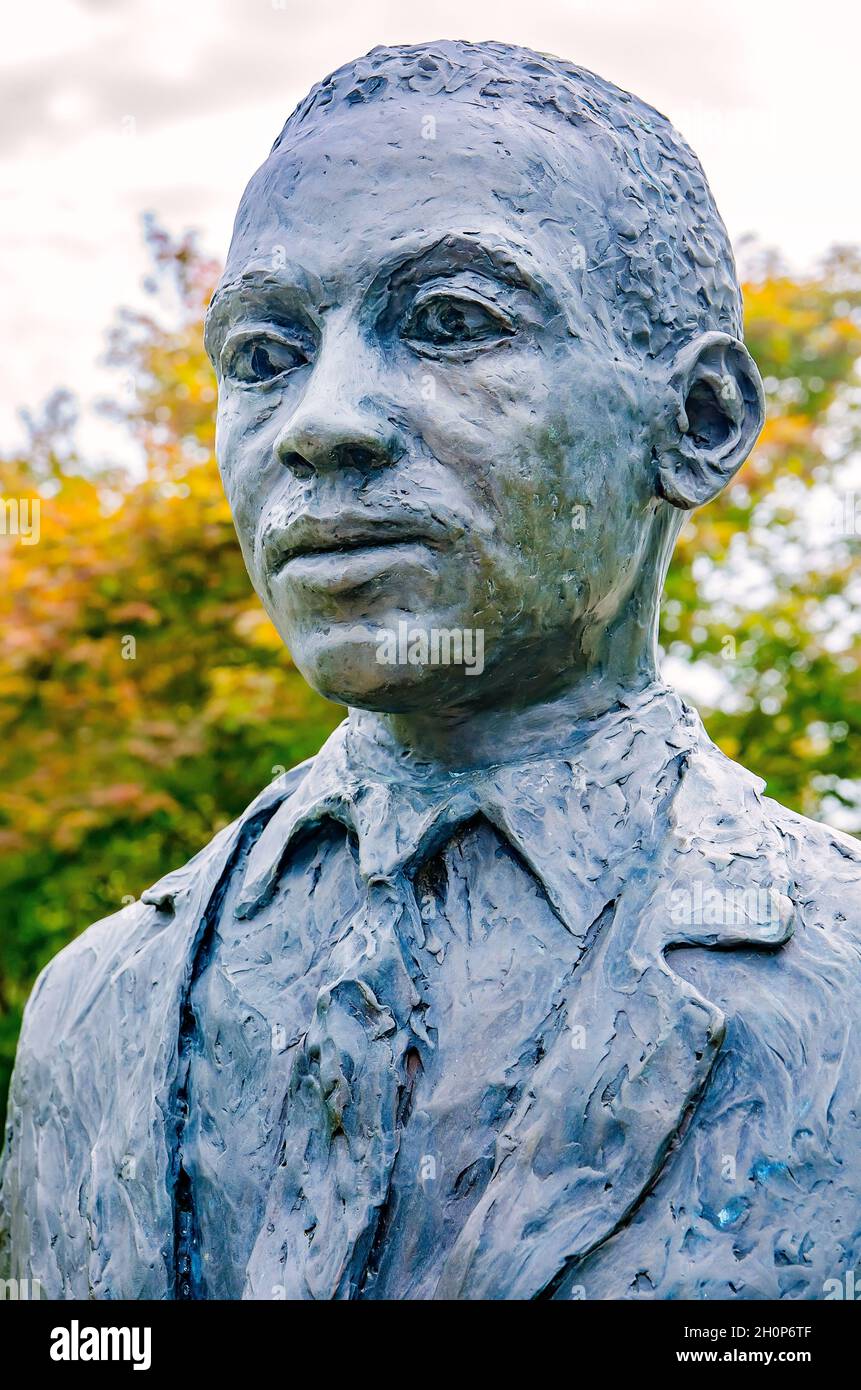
[(349, 1090)]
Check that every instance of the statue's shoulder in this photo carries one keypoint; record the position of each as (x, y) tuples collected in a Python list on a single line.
[(65, 997), (99, 1012), (826, 866), (821, 865)]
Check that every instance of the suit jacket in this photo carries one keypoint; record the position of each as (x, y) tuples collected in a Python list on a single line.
[(692, 1131)]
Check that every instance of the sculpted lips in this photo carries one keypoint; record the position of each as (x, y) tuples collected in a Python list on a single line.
[(347, 549)]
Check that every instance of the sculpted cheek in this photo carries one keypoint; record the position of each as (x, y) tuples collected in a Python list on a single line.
[(484, 415)]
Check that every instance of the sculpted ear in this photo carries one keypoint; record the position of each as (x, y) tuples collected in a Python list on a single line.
[(715, 414)]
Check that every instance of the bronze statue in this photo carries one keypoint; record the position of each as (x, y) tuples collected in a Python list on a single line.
[(520, 988)]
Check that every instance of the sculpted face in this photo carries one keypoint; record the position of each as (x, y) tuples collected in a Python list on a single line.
[(427, 420)]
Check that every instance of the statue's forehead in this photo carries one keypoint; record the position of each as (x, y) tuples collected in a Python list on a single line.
[(360, 179)]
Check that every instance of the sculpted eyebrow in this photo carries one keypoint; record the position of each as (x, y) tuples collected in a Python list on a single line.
[(273, 294), (453, 253)]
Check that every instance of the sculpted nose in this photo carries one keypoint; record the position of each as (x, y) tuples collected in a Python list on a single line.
[(337, 425), (341, 441)]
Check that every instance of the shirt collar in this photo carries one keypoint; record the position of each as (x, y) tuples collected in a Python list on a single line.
[(573, 817)]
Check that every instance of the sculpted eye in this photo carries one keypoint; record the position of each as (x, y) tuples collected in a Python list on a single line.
[(258, 360), (446, 321)]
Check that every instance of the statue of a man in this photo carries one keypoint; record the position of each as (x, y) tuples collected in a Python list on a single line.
[(519, 988)]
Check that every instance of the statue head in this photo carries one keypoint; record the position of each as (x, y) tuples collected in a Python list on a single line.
[(478, 342)]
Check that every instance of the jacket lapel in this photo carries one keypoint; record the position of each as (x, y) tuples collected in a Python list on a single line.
[(617, 1090), (592, 1132), (131, 1034)]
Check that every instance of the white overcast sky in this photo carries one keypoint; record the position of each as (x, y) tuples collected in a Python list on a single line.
[(114, 107)]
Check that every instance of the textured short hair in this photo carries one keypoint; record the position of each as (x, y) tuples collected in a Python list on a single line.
[(665, 250)]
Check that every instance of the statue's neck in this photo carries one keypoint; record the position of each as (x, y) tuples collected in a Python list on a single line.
[(470, 739)]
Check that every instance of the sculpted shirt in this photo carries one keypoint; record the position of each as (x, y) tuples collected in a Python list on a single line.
[(580, 1026), (494, 964), (500, 906)]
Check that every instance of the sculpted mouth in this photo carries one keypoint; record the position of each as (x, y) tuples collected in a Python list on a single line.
[(350, 547), (354, 563), (312, 542)]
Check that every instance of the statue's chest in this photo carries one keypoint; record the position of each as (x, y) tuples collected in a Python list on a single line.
[(496, 962)]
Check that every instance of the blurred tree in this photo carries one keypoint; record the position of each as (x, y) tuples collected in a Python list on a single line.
[(145, 698), (764, 593)]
